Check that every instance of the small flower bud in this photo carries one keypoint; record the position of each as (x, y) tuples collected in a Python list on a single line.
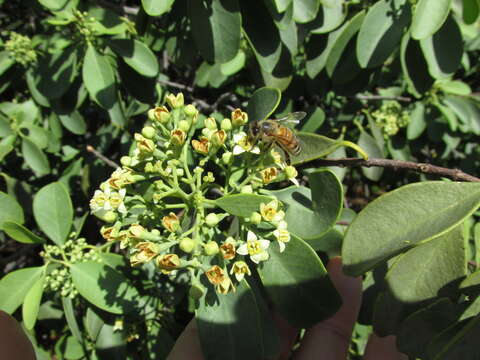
[(239, 118), (175, 101), (227, 157), (148, 132), (209, 177), (125, 160), (212, 219), (109, 216), (180, 172), (187, 245), (136, 231), (218, 137), (144, 145), (226, 124), (196, 290), (291, 172), (190, 111), (211, 248), (155, 232), (177, 137), (207, 133), (211, 123), (255, 218), (184, 125)]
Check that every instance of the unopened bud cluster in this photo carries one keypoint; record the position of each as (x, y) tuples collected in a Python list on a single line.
[(21, 49), (160, 205), (391, 118)]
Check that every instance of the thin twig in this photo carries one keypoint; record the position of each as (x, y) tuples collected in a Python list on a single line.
[(380, 97), (175, 85), (102, 157), (425, 168)]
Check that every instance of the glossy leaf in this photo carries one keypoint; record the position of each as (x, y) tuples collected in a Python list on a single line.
[(104, 287), (381, 31), (15, 285), (31, 303), (235, 65), (426, 270), (313, 121), (242, 204), (36, 134), (10, 210), (403, 218), (428, 17), (298, 284), (443, 50), (328, 18), (455, 87), (74, 122), (137, 55), (305, 10), (21, 234), (157, 8), (108, 21), (224, 320), (417, 123), (53, 212), (99, 78), (216, 28), (263, 103), (35, 158)]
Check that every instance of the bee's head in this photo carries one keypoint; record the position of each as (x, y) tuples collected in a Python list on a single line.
[(254, 129)]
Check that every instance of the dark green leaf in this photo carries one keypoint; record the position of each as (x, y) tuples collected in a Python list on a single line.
[(428, 17), (328, 18), (403, 218), (15, 285), (21, 234), (31, 303), (108, 21), (6, 61), (157, 8), (35, 158), (53, 212), (242, 204), (10, 210), (263, 103), (299, 284), (137, 55), (104, 287), (314, 120), (471, 9)]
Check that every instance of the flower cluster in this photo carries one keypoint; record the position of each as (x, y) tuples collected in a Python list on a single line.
[(21, 49), (390, 118), (160, 206)]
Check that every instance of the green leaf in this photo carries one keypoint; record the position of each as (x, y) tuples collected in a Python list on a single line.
[(54, 5), (31, 303), (428, 17), (417, 123), (15, 285), (73, 349), (370, 145), (414, 66), (235, 65), (99, 78), (242, 204), (317, 50), (426, 270), (104, 287), (328, 18), (403, 218), (314, 120), (74, 122), (466, 110), (5, 150), (455, 87), (443, 50), (53, 212), (93, 324), (108, 21), (71, 318), (262, 34), (470, 11), (222, 319), (299, 284), (36, 134), (263, 103), (21, 234), (111, 343), (137, 55), (216, 28), (6, 61), (157, 8), (10, 210), (305, 10), (381, 31), (346, 33), (282, 5), (55, 72), (35, 158)]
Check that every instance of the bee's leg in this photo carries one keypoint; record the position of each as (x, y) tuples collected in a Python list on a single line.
[(287, 158)]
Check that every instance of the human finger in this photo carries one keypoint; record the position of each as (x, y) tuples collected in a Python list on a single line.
[(330, 339), (380, 348), (13, 341), (187, 346)]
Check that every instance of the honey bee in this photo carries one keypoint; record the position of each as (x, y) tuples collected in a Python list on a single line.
[(273, 131)]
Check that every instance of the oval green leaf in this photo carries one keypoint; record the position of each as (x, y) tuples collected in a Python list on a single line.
[(99, 78), (403, 218), (35, 158), (21, 234), (305, 10), (428, 17), (263, 103), (10, 210), (470, 11), (54, 5), (31, 303), (328, 18), (381, 31), (417, 123), (71, 318), (104, 287), (137, 55), (455, 87), (53, 212), (370, 145), (299, 284), (242, 204), (157, 8), (15, 285), (74, 122)]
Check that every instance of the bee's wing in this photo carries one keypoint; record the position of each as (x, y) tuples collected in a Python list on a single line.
[(293, 117)]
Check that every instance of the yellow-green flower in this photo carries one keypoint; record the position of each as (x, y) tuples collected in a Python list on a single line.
[(282, 235), (239, 269), (269, 174), (255, 248), (243, 144), (269, 211), (201, 146)]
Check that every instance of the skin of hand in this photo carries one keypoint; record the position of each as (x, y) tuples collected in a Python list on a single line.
[(14, 344), (327, 340)]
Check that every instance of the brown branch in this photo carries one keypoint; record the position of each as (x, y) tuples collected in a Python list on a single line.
[(380, 97), (425, 168), (102, 157)]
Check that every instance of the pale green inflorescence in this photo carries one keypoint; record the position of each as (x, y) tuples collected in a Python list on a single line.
[(160, 205), (390, 118)]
